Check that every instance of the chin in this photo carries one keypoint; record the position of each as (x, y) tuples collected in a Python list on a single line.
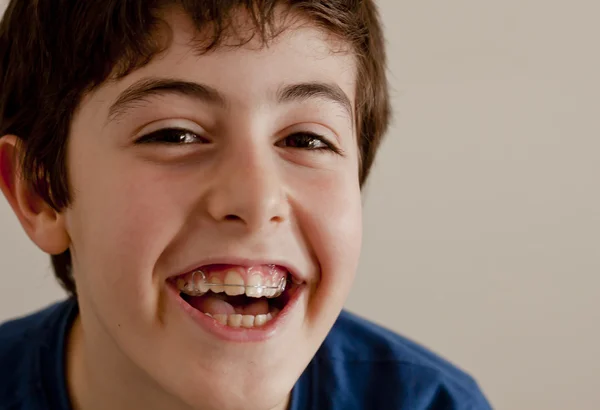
[(237, 393)]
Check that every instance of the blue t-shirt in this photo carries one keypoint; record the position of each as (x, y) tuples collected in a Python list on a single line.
[(359, 366)]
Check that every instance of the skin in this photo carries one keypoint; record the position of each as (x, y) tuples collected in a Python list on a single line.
[(237, 188)]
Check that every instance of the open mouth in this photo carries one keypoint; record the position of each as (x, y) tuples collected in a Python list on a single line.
[(236, 296)]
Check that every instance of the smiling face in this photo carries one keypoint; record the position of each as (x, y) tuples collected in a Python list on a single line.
[(236, 159)]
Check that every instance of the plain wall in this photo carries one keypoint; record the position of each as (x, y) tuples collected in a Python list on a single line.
[(482, 216)]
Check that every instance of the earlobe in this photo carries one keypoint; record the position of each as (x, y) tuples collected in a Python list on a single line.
[(44, 225)]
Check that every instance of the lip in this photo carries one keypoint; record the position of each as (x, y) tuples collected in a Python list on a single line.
[(294, 272), (239, 335)]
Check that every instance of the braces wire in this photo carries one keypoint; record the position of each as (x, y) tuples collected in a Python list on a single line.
[(279, 288)]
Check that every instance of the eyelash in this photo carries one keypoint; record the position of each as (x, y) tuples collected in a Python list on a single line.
[(162, 136)]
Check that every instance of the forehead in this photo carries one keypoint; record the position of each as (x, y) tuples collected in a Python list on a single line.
[(239, 68)]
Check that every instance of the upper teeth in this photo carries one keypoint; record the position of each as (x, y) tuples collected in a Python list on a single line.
[(232, 283)]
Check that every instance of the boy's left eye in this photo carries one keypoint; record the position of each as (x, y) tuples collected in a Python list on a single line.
[(308, 141)]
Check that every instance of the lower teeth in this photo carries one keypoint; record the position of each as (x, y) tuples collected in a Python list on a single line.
[(245, 321)]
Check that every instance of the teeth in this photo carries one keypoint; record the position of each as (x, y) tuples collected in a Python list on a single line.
[(196, 284), (246, 321), (222, 319), (234, 320), (276, 289), (254, 289), (235, 284), (199, 281), (189, 287), (260, 320), (218, 288)]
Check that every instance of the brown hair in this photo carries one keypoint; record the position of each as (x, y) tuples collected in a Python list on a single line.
[(53, 52)]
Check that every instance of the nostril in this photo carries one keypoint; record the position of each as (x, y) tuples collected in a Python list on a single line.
[(236, 218)]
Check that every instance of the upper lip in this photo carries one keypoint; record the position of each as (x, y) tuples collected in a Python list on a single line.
[(293, 271)]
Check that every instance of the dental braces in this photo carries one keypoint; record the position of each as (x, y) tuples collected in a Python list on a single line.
[(279, 288)]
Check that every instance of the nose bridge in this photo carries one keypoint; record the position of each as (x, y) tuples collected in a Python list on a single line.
[(255, 172), (248, 188)]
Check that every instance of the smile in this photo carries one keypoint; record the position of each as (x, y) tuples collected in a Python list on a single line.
[(238, 298)]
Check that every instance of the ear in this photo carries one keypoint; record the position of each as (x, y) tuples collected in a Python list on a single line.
[(44, 225)]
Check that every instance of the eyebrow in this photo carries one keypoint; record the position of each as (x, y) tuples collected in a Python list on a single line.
[(310, 90), (145, 88)]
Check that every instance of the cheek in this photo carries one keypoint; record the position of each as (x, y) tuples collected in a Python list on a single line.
[(121, 223), (333, 223)]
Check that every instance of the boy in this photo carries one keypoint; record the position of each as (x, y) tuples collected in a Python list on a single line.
[(195, 169)]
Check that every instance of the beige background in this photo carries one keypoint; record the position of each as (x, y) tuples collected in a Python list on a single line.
[(483, 214)]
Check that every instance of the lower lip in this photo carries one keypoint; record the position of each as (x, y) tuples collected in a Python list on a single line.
[(240, 334)]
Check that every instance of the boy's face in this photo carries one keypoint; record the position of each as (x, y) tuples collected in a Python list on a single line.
[(250, 182)]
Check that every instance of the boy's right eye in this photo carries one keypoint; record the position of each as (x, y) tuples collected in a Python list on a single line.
[(172, 136)]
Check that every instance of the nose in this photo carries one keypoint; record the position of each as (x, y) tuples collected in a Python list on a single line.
[(248, 191)]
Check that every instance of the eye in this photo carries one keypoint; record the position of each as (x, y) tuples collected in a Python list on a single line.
[(172, 136), (308, 141)]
